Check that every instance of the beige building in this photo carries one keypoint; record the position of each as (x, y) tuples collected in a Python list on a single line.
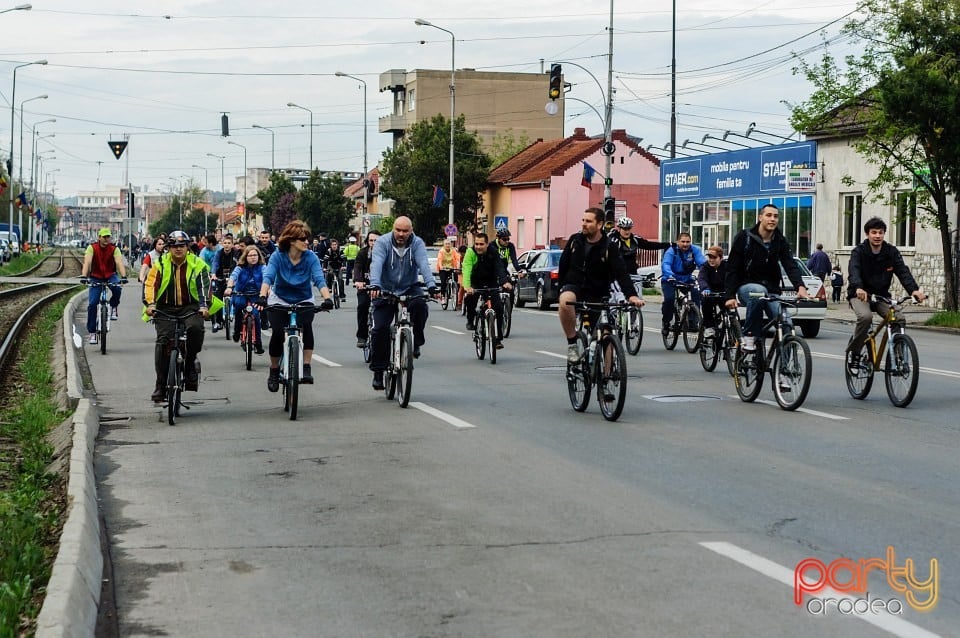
[(492, 103)]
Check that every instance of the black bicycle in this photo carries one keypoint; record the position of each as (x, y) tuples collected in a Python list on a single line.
[(103, 310), (398, 377), (248, 327), (507, 297), (336, 286), (686, 319), (368, 344), (485, 323), (602, 362), (450, 289), (176, 360), (788, 361), (291, 361), (726, 337)]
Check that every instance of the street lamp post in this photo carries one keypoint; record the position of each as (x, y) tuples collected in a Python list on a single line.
[(33, 151), (246, 224), (19, 7), (20, 210), (53, 191), (221, 158), (13, 102), (453, 103), (206, 188), (297, 106), (273, 147), (341, 74)]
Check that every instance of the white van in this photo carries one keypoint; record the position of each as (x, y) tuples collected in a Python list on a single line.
[(12, 240)]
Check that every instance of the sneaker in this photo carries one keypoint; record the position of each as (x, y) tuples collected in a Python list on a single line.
[(749, 343), (665, 330), (216, 327), (853, 362), (236, 336), (573, 354), (273, 380), (498, 344), (709, 333), (378, 380), (191, 381), (159, 392), (416, 352), (114, 315), (258, 348), (361, 343), (471, 326), (307, 374)]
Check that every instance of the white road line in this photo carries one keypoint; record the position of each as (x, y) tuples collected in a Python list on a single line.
[(551, 354), (453, 332), (326, 362), (936, 371), (825, 415), (443, 416), (893, 624)]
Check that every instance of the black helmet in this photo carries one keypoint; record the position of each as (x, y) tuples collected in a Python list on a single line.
[(503, 233)]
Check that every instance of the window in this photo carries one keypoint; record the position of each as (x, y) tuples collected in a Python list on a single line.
[(412, 100), (905, 219), (538, 234), (521, 231), (850, 218)]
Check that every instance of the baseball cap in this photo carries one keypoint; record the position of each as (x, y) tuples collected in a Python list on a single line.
[(104, 232)]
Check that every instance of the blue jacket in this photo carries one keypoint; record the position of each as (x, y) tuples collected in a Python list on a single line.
[(679, 264), (292, 283), (247, 280), (396, 273)]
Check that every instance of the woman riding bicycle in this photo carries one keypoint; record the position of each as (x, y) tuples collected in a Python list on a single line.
[(246, 278), (287, 279)]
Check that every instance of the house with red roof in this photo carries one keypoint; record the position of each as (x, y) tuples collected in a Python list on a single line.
[(540, 194)]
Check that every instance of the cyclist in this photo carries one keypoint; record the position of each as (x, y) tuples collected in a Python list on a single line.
[(872, 266), (590, 262), (630, 245), (287, 279), (484, 268), (448, 260), (150, 257), (678, 265), (507, 250), (246, 278), (756, 256), (177, 284), (712, 279), (350, 254), (398, 259), (224, 261), (102, 263), (267, 247), (333, 261), (322, 245), (361, 279)]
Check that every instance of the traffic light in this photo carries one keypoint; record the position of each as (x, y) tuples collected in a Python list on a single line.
[(556, 81), (117, 148), (224, 126), (609, 209)]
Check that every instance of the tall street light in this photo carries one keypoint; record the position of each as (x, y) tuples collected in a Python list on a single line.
[(453, 103), (341, 74), (19, 7), (53, 197), (246, 226), (33, 149), (221, 158), (23, 188), (13, 103), (206, 187), (273, 163), (297, 106)]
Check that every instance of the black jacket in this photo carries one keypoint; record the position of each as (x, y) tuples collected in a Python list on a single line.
[(334, 259), (630, 248), (361, 267), (874, 273), (750, 262), (595, 269), (490, 270), (713, 278)]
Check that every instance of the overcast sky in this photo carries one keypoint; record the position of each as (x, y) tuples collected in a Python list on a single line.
[(162, 73)]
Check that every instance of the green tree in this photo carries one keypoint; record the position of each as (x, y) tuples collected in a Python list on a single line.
[(421, 161), (280, 185), (322, 205), (283, 213), (505, 145), (167, 220), (901, 95)]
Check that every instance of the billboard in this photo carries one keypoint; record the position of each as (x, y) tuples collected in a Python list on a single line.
[(750, 172)]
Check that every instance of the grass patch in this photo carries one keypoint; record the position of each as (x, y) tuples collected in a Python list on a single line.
[(944, 318), (30, 512), (21, 262)]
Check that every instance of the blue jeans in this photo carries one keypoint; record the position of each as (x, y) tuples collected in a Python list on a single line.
[(669, 294), (756, 308), (93, 299)]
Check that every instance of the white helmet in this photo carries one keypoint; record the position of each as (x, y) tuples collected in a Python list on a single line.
[(624, 222)]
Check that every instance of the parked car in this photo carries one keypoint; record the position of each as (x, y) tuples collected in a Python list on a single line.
[(5, 253), (541, 285), (808, 315)]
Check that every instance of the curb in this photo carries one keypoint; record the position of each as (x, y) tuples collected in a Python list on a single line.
[(73, 593)]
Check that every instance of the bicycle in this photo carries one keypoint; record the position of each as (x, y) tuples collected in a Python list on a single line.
[(629, 321), (176, 376), (291, 361), (450, 290), (485, 323), (789, 361), (603, 361), (227, 311), (368, 344), (725, 339), (398, 377), (901, 369), (686, 319), (507, 298), (336, 286), (103, 311), (248, 328)]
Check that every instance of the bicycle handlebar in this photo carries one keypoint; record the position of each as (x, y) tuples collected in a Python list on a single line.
[(166, 315)]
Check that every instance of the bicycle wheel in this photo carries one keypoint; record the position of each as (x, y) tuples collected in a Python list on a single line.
[(390, 374), (405, 371), (673, 333), (749, 373), (578, 378), (710, 348), (480, 337), (173, 388), (633, 335), (335, 292), (293, 375), (445, 299), (792, 370), (610, 371), (490, 319), (507, 315), (691, 323), (248, 332), (860, 379), (731, 342), (104, 327), (227, 307), (902, 371)]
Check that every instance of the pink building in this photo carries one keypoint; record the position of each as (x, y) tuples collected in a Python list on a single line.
[(539, 195)]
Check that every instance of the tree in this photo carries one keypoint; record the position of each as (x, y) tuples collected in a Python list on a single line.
[(901, 94), (505, 145), (421, 161), (322, 205), (283, 213), (280, 185)]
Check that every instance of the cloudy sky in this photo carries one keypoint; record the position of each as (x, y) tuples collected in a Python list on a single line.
[(163, 73)]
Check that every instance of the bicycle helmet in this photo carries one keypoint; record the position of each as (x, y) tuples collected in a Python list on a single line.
[(178, 238), (503, 233), (624, 222)]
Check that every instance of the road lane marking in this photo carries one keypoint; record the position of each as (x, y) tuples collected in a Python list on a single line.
[(551, 354), (825, 415), (893, 624), (326, 362), (443, 416), (936, 371), (453, 332)]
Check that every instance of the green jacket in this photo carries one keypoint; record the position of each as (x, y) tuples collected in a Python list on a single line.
[(198, 282)]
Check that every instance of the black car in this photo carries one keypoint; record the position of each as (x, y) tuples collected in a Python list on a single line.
[(541, 285)]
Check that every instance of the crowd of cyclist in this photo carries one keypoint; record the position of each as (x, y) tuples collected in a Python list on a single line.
[(184, 277)]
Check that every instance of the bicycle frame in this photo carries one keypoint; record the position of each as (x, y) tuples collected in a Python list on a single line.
[(603, 362), (889, 348), (176, 377), (884, 329)]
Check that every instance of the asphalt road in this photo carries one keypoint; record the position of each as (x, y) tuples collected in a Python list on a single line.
[(490, 508)]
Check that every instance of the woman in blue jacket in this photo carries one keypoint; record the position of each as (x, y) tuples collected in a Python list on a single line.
[(246, 279)]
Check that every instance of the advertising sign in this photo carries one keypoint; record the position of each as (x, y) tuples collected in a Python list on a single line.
[(802, 180)]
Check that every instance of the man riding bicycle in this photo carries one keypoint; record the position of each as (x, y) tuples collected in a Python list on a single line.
[(590, 262), (333, 261), (484, 268), (872, 266), (630, 245), (678, 265), (398, 259), (753, 270), (102, 262), (507, 250)]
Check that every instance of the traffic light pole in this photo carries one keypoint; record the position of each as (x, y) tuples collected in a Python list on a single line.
[(609, 205)]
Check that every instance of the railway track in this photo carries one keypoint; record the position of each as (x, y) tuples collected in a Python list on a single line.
[(62, 263), (17, 307)]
